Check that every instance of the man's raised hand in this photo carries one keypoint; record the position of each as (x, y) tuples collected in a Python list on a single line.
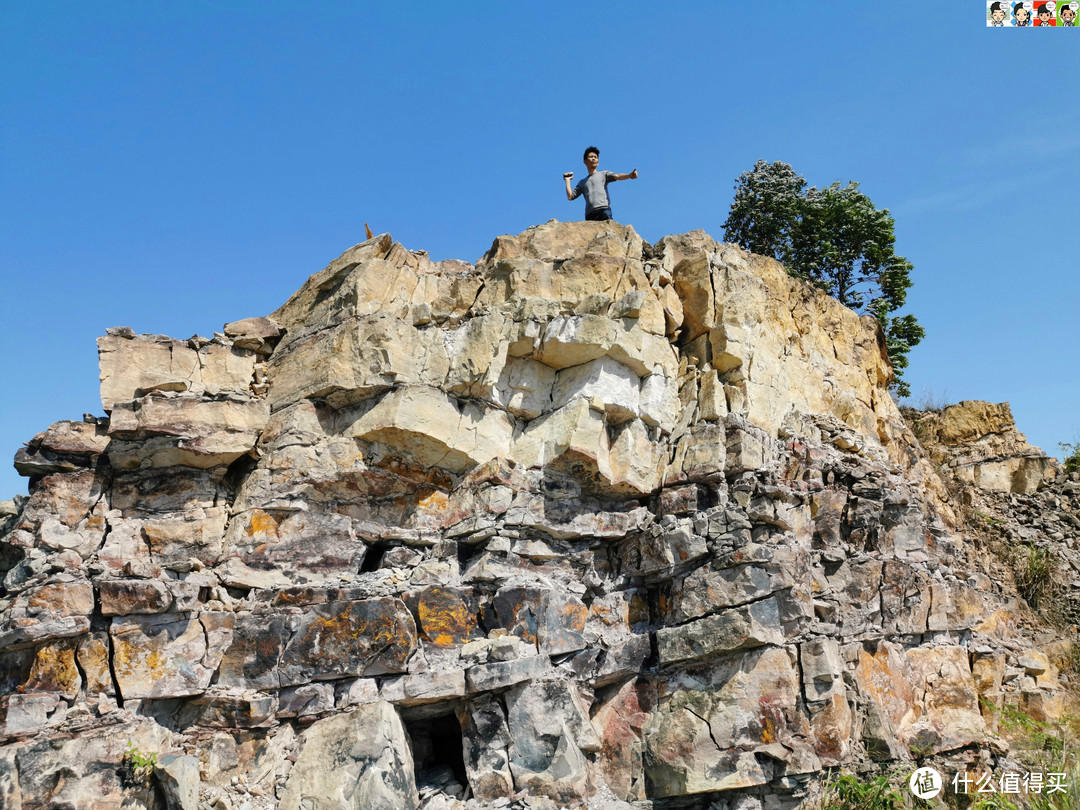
[(633, 174)]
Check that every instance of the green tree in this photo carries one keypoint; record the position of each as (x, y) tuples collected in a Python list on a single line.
[(833, 237)]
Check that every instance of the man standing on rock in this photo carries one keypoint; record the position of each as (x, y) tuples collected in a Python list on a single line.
[(594, 187)]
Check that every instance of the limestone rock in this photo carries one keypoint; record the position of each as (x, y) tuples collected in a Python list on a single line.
[(88, 770), (737, 629), (134, 365), (585, 523), (170, 655), (356, 760), (549, 733), (707, 729), (335, 639), (164, 430), (179, 779), (978, 442), (64, 447), (486, 748)]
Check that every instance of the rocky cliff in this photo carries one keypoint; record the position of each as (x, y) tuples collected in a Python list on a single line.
[(590, 522)]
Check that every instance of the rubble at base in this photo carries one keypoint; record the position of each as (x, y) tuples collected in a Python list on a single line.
[(592, 523)]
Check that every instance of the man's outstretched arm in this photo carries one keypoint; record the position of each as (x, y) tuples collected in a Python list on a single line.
[(631, 176), (568, 176)]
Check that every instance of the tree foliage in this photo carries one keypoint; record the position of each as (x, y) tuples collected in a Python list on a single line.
[(833, 237)]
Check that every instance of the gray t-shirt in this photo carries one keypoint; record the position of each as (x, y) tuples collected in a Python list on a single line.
[(594, 187)]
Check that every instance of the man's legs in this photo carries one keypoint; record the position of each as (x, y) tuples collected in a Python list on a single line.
[(599, 215)]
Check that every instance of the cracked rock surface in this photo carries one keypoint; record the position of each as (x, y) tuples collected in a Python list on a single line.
[(590, 523)]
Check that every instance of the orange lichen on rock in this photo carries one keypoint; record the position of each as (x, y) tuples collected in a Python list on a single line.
[(445, 618), (54, 670), (261, 522)]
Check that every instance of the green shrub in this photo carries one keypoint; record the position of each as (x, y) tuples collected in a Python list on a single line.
[(847, 792), (1040, 747), (1039, 582), (1072, 456), (140, 765)]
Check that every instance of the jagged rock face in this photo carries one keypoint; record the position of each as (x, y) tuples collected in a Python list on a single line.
[(979, 444), (591, 518)]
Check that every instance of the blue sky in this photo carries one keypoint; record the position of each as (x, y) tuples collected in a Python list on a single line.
[(171, 166)]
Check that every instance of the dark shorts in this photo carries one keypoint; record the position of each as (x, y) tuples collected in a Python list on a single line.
[(599, 215)]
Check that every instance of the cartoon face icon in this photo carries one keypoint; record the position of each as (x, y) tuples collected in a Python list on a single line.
[(997, 15), (1045, 15), (1068, 15), (1021, 14)]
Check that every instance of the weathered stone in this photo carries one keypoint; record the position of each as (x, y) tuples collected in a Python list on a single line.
[(549, 733), (271, 545), (133, 365), (486, 742), (746, 449), (695, 290), (21, 714), (177, 493), (233, 711), (179, 779), (424, 687), (833, 726), (89, 770), (64, 447), (252, 333), (949, 715), (655, 552), (357, 760), (499, 675), (308, 700), (339, 639), (738, 629), (570, 438), (354, 360), (980, 444), (822, 669), (54, 670), (524, 387), (611, 383), (181, 430), (355, 692), (620, 724), (508, 490), (124, 597), (10, 792), (709, 730), (93, 657), (987, 672), (332, 640), (555, 622), (170, 655), (431, 429), (445, 617), (251, 661), (69, 499), (884, 678), (68, 598), (255, 758), (706, 590)]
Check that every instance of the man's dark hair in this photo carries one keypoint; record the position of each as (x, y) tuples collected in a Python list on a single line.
[(997, 6), (590, 149), (1044, 10)]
